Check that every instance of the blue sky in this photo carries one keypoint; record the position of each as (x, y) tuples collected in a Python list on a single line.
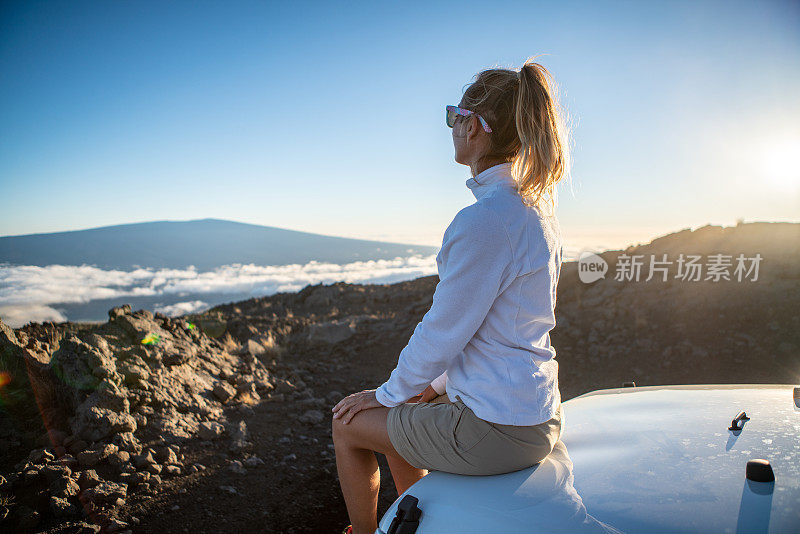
[(330, 118)]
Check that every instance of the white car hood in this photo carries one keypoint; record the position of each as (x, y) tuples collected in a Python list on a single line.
[(647, 459)]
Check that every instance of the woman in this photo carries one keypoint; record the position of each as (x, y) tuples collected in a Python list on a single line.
[(485, 341)]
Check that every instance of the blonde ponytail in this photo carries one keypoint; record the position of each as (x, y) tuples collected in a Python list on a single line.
[(528, 128)]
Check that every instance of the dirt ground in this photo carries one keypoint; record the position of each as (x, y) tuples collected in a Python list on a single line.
[(291, 495)]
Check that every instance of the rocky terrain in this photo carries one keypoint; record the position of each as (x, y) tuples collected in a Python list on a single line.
[(220, 422)]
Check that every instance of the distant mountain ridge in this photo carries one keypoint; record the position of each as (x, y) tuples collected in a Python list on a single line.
[(203, 243)]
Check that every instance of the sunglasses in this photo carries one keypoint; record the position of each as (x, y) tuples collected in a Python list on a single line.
[(452, 112)]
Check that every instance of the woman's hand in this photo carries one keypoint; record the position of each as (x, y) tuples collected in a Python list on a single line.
[(349, 406), (426, 396)]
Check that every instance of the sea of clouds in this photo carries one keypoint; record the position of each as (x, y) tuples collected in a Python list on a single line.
[(31, 293)]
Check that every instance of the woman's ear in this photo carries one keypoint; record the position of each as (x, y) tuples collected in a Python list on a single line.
[(471, 128)]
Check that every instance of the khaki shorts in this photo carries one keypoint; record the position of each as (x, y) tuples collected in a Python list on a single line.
[(444, 436)]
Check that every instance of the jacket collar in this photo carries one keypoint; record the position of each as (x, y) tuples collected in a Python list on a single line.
[(489, 179)]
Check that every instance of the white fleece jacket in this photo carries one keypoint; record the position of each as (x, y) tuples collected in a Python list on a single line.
[(486, 336)]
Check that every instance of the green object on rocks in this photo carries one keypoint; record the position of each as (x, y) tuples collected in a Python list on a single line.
[(151, 339)]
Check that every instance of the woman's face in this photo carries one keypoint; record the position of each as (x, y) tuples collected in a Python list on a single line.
[(459, 139), (467, 141)]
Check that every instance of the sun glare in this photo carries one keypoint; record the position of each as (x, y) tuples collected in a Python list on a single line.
[(781, 165)]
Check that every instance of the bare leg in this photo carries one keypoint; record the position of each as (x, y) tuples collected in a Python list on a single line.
[(359, 476), (360, 479), (403, 473)]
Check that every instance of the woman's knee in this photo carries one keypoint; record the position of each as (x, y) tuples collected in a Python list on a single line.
[(338, 429), (366, 430), (345, 433)]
